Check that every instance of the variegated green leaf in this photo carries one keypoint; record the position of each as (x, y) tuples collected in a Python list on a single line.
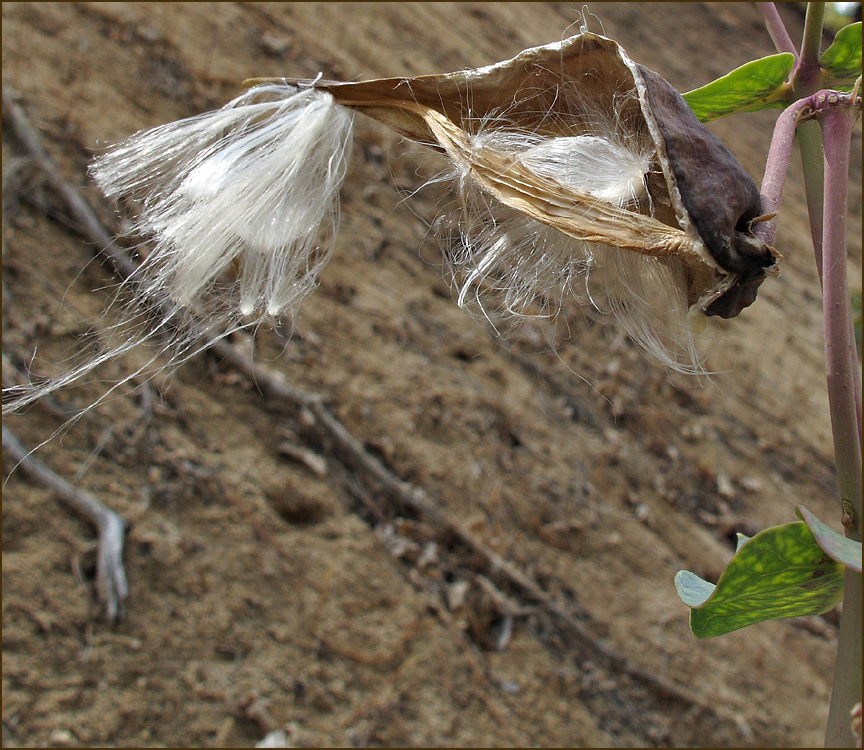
[(781, 572)]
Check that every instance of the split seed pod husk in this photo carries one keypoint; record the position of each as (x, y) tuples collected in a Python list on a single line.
[(698, 203)]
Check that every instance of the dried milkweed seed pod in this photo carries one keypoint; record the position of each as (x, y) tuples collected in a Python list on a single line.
[(578, 174), (573, 161)]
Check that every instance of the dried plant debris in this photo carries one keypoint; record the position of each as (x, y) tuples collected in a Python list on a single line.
[(579, 176)]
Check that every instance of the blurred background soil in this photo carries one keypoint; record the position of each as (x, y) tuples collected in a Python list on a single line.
[(265, 593)]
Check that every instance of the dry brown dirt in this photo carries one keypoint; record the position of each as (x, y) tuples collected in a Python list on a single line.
[(265, 595)]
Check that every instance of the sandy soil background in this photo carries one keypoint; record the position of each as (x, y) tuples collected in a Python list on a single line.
[(265, 594)]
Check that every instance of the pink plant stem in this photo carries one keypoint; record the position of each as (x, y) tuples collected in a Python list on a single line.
[(844, 398), (776, 167), (777, 29), (841, 361), (825, 105)]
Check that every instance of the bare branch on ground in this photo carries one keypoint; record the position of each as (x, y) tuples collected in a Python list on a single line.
[(110, 575)]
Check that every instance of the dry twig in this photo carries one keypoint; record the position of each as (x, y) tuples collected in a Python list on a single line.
[(110, 576)]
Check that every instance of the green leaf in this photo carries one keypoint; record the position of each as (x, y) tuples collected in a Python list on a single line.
[(836, 546), (759, 84), (781, 572), (842, 60)]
